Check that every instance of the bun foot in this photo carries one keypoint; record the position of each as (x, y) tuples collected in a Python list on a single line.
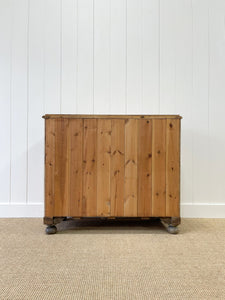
[(51, 229), (172, 229), (171, 224)]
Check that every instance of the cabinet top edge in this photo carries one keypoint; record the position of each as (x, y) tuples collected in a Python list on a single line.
[(70, 116)]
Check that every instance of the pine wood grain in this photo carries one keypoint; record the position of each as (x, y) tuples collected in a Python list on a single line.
[(144, 167), (89, 205), (173, 168), (117, 167), (159, 168), (61, 207), (130, 204), (75, 154), (49, 167), (112, 167), (103, 166)]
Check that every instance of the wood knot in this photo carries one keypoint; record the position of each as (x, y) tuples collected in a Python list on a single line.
[(76, 134), (158, 151), (147, 122), (84, 161), (171, 125), (116, 172), (93, 160), (157, 194), (149, 155), (148, 175)]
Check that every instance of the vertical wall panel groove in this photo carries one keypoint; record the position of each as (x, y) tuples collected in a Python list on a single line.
[(85, 62), (69, 57), (5, 98), (19, 103), (35, 124)]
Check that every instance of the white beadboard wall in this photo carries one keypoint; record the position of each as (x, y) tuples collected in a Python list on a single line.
[(113, 57)]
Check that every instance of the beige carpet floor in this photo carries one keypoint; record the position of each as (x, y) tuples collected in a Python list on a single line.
[(110, 260)]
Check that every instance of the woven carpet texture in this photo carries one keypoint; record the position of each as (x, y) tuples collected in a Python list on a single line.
[(92, 259)]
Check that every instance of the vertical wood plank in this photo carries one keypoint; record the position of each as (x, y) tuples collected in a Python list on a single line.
[(103, 166), (69, 56), (35, 130), (144, 167), (117, 167), (89, 205), (49, 167), (173, 167), (101, 56), (134, 51), (118, 57), (75, 148), (52, 44), (85, 57), (19, 109), (130, 204), (61, 207), (5, 99), (159, 167)]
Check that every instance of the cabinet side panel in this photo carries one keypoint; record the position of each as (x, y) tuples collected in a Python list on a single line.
[(75, 148), (159, 168), (173, 168), (103, 166), (117, 167), (89, 205), (49, 167), (130, 201), (144, 167), (61, 173)]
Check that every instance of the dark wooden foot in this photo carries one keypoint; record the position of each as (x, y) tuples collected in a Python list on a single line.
[(51, 229), (171, 224)]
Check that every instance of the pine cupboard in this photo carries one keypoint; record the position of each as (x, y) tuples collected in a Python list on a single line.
[(112, 166)]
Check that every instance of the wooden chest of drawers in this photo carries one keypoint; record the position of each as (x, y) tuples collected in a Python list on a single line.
[(112, 166)]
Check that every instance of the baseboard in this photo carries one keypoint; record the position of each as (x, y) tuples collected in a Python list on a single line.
[(203, 210), (36, 210), (21, 210)]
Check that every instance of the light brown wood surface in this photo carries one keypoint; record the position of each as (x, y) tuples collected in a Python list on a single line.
[(89, 206), (75, 154), (117, 167), (144, 168), (112, 167), (172, 167), (159, 168), (130, 192), (103, 167)]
